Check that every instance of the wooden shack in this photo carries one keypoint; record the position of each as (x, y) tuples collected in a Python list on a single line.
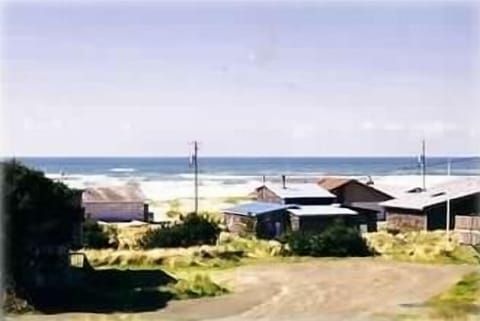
[(427, 210), (262, 219), (115, 203)]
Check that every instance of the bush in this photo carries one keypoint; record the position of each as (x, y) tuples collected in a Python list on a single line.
[(193, 230), (336, 240), (95, 237)]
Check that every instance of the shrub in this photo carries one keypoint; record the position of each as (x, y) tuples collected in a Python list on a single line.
[(95, 237), (336, 240), (193, 230), (199, 285)]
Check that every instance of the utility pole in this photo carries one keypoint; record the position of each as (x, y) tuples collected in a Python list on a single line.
[(448, 204), (194, 163), (424, 166)]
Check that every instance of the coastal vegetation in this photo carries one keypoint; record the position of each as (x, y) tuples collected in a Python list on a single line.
[(422, 247), (337, 240), (192, 230)]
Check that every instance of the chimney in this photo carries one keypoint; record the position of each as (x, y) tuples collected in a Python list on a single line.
[(370, 180), (284, 182), (263, 179)]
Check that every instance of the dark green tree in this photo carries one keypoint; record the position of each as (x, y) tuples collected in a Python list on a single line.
[(37, 212)]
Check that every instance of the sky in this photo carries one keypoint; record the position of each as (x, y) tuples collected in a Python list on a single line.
[(243, 78)]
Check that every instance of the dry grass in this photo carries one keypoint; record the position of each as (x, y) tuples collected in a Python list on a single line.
[(425, 247), (229, 252)]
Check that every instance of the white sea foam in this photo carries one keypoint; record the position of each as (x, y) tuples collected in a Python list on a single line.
[(122, 170)]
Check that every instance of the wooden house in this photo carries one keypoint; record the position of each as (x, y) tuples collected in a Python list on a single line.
[(349, 190), (358, 196), (115, 204), (427, 210)]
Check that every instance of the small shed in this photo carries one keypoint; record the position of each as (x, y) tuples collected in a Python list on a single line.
[(263, 219), (427, 210), (115, 203), (317, 217)]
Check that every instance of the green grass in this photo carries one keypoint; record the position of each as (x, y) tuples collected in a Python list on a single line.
[(467, 290), (459, 302), (196, 286)]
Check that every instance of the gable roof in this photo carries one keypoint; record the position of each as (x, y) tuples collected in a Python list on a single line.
[(299, 191), (125, 193), (319, 210), (331, 183), (437, 194), (256, 208)]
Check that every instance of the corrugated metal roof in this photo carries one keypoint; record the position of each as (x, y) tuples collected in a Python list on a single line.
[(299, 191), (331, 183), (317, 210), (125, 193), (256, 208), (437, 194)]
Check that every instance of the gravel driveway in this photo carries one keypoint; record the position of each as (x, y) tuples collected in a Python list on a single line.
[(346, 289)]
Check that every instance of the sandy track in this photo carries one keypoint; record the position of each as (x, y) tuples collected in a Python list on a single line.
[(349, 289)]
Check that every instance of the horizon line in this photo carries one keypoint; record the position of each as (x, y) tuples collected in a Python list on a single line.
[(241, 156)]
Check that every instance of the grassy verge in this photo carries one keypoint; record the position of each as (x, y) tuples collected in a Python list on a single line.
[(460, 302), (422, 247)]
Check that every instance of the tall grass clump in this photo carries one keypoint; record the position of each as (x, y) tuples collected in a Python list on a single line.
[(337, 240), (193, 230), (199, 285), (422, 246)]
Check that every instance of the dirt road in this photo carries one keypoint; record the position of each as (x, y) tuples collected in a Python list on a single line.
[(348, 289)]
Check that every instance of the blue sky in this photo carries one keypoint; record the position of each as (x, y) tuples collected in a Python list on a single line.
[(244, 78)]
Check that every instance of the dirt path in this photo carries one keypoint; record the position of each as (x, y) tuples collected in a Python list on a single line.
[(349, 289)]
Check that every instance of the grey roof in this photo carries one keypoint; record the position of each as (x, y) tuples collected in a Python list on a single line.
[(437, 194), (307, 190), (391, 190), (124, 193), (256, 208), (318, 210)]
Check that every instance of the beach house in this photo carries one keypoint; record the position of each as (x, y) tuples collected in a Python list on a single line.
[(427, 210), (288, 207), (115, 203)]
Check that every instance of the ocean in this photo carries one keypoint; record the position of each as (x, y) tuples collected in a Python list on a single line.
[(177, 168)]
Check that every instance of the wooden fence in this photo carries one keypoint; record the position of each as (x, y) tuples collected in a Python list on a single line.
[(468, 229)]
